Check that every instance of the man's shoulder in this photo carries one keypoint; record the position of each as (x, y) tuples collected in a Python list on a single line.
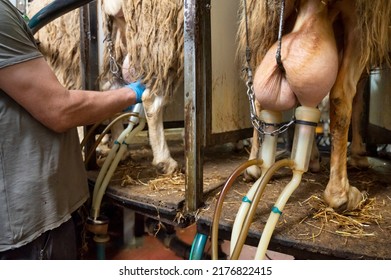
[(9, 15), (6, 7)]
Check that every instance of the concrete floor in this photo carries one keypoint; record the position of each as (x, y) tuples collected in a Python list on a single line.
[(149, 247)]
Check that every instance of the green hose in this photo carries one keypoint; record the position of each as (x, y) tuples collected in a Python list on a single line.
[(197, 248)]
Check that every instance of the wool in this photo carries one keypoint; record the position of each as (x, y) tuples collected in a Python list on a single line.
[(59, 41)]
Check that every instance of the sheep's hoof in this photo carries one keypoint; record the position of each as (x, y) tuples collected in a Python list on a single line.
[(314, 165), (167, 167), (349, 201), (359, 162), (252, 173)]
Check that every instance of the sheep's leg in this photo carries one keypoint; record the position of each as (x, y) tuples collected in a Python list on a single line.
[(358, 152), (339, 193), (162, 159)]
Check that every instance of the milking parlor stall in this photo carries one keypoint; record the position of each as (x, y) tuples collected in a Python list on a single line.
[(267, 203)]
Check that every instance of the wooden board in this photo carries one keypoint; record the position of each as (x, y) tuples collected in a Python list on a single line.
[(136, 184)]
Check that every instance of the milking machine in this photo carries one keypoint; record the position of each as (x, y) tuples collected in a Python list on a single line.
[(268, 156), (136, 123), (96, 223), (306, 120), (91, 133)]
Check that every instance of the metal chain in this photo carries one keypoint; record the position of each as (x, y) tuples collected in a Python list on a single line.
[(114, 67), (257, 123)]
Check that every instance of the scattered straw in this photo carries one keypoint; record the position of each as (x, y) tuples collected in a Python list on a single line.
[(127, 180), (164, 181), (353, 223), (130, 173)]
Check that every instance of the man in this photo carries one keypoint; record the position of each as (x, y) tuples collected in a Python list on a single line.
[(42, 175)]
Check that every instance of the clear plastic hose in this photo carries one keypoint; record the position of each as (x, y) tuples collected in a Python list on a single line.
[(219, 205)]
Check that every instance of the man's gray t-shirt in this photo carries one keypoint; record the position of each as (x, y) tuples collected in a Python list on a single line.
[(42, 174)]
